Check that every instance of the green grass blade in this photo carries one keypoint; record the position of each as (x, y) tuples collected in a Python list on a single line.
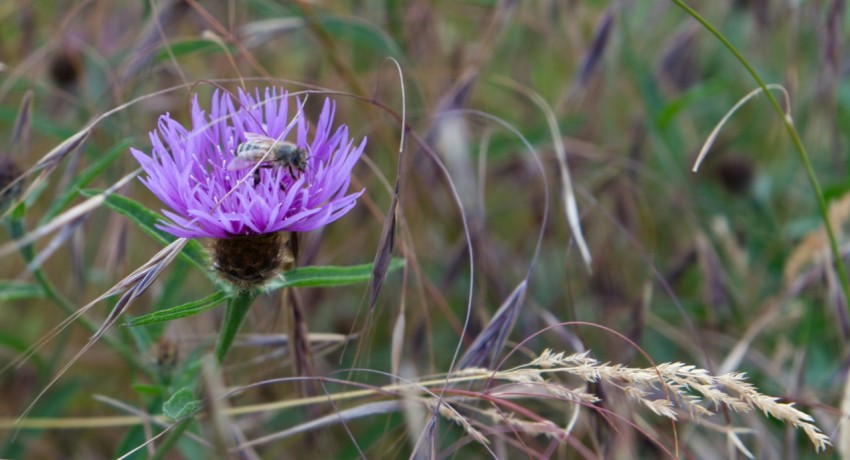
[(189, 46)]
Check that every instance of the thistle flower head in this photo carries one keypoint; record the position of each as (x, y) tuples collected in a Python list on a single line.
[(190, 169), (250, 208)]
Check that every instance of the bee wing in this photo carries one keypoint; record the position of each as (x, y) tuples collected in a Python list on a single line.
[(239, 163), (258, 138)]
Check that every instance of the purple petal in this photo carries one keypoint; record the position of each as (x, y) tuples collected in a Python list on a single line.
[(187, 168)]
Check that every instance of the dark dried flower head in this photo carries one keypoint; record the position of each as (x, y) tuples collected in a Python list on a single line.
[(735, 173), (9, 171), (65, 68), (248, 261)]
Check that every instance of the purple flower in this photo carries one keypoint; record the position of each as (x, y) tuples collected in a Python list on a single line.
[(190, 169)]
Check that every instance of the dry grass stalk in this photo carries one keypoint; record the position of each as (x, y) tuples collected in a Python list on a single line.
[(687, 386)]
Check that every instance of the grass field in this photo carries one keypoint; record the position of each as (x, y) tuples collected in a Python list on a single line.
[(533, 269)]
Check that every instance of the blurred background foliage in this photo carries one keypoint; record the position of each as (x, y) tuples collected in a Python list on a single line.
[(686, 265)]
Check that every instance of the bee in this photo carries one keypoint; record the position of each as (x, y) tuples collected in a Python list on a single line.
[(269, 153)]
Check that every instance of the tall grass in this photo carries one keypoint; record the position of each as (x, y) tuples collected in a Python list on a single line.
[(528, 189)]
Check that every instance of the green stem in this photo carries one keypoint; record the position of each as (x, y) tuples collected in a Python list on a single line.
[(171, 439), (237, 310), (795, 139)]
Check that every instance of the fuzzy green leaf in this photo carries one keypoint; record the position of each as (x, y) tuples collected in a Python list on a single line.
[(181, 404), (328, 275), (180, 311)]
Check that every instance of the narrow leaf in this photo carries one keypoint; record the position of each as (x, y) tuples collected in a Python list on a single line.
[(180, 311), (15, 290), (187, 47), (328, 276)]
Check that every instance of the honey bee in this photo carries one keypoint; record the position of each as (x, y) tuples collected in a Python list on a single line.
[(269, 153)]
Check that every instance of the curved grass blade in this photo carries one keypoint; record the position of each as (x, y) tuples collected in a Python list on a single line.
[(85, 177), (489, 343), (57, 242), (46, 164), (341, 416), (61, 221)]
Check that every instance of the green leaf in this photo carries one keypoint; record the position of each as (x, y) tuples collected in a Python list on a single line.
[(147, 389), (237, 309), (85, 177), (363, 35), (181, 404), (299, 277), (146, 219), (189, 46), (15, 290), (328, 276), (180, 311)]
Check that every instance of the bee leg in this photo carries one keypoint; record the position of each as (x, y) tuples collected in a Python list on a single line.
[(256, 177)]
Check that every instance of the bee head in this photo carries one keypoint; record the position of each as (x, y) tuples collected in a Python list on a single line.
[(301, 159)]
